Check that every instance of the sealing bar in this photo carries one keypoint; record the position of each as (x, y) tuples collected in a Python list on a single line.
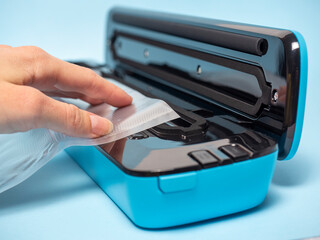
[(239, 42)]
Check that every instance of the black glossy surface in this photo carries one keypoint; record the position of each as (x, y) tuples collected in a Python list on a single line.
[(239, 85), (223, 93), (149, 155), (204, 158), (235, 41), (236, 152), (172, 59)]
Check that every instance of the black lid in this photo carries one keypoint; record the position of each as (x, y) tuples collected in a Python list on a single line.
[(250, 70)]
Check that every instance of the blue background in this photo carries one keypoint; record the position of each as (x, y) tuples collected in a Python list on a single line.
[(61, 202)]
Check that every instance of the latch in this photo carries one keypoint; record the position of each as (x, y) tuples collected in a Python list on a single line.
[(177, 182)]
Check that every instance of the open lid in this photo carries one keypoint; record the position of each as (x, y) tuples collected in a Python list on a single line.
[(255, 72)]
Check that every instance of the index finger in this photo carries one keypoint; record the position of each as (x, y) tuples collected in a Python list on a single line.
[(72, 78), (49, 72)]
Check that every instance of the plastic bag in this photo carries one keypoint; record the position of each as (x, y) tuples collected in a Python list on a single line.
[(22, 154)]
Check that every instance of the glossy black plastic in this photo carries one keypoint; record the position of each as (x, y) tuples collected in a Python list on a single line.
[(235, 41), (235, 87), (182, 60)]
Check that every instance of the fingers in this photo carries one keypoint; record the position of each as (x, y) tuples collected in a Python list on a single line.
[(26, 108), (71, 120), (49, 72), (34, 67), (3, 46), (74, 95), (70, 77)]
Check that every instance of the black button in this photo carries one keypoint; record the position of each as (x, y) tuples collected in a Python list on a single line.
[(235, 151), (204, 158), (223, 158), (225, 161)]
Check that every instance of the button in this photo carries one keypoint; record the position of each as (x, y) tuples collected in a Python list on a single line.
[(223, 158), (204, 158), (235, 151)]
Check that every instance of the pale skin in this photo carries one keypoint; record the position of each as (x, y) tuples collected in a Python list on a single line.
[(29, 76)]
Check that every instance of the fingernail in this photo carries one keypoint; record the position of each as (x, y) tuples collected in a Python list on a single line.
[(100, 126), (128, 97)]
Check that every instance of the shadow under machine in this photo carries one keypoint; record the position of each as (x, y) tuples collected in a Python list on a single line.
[(240, 92)]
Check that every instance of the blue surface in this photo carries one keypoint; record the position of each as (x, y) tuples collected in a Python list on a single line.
[(62, 202), (182, 198)]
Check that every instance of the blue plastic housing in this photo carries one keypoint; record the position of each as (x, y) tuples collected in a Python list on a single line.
[(176, 199)]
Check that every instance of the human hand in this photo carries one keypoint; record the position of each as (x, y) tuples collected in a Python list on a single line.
[(29, 75)]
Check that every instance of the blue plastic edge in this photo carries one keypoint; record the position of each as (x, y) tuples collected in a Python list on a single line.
[(302, 95), (217, 191)]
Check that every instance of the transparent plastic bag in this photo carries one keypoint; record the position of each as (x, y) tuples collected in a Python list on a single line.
[(22, 154)]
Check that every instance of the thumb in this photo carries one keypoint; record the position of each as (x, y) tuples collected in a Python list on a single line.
[(72, 121)]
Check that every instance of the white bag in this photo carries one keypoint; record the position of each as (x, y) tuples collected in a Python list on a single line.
[(22, 154)]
